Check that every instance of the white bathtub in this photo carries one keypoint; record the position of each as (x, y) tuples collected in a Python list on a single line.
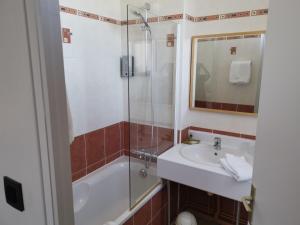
[(103, 195)]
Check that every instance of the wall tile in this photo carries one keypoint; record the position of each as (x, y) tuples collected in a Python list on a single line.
[(78, 157), (78, 175), (161, 218), (113, 157), (145, 139), (226, 133), (112, 139), (95, 146), (143, 215), (159, 201), (129, 222), (165, 139), (125, 135), (91, 168), (184, 134)]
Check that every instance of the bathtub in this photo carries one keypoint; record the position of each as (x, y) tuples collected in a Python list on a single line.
[(103, 195)]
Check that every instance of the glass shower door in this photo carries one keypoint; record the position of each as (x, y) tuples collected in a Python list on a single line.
[(151, 47)]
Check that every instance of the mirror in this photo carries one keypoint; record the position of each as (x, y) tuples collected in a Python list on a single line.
[(226, 72)]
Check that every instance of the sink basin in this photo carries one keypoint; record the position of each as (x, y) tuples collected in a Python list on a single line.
[(199, 166), (206, 154)]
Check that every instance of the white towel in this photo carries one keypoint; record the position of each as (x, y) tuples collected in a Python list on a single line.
[(240, 72), (237, 167)]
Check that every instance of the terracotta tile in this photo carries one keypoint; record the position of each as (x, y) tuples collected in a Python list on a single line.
[(165, 138), (133, 135), (112, 157), (159, 201), (143, 215), (112, 139), (185, 134), (227, 210), (229, 107), (174, 200), (226, 133), (201, 129), (78, 175), (129, 222), (245, 108), (243, 214), (78, 159), (95, 166), (161, 218), (251, 137), (125, 135), (145, 138), (95, 146), (127, 152)]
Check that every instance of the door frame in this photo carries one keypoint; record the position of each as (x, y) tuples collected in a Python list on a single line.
[(45, 45)]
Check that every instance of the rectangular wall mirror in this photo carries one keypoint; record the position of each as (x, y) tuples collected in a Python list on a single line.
[(226, 72)]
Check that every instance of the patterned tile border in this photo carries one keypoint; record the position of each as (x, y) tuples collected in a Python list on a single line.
[(257, 12)]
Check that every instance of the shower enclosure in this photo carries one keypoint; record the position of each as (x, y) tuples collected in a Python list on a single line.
[(151, 48)]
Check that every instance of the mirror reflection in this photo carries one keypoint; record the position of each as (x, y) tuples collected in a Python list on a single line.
[(226, 72)]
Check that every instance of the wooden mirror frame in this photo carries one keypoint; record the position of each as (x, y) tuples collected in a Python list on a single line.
[(193, 69)]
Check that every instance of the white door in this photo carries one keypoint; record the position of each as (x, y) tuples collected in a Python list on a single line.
[(19, 148), (27, 149), (277, 163)]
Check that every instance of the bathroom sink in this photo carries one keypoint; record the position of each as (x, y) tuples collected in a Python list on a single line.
[(206, 154), (199, 165)]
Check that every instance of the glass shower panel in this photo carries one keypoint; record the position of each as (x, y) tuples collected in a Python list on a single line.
[(151, 43)]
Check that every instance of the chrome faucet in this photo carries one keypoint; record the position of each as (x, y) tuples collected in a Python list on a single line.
[(217, 143)]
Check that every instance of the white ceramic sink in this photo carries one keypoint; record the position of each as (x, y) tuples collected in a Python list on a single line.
[(199, 166), (206, 154)]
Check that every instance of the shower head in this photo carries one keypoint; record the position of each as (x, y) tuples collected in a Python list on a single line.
[(147, 26)]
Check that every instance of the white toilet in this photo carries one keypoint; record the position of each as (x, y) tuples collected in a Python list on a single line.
[(186, 218)]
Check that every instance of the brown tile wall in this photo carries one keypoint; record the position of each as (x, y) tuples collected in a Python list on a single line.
[(214, 208), (95, 149), (184, 133), (98, 148), (154, 212)]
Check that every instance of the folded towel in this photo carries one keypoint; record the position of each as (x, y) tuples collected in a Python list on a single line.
[(240, 72), (237, 167)]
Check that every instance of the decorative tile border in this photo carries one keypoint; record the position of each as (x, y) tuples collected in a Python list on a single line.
[(68, 10), (256, 12)]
